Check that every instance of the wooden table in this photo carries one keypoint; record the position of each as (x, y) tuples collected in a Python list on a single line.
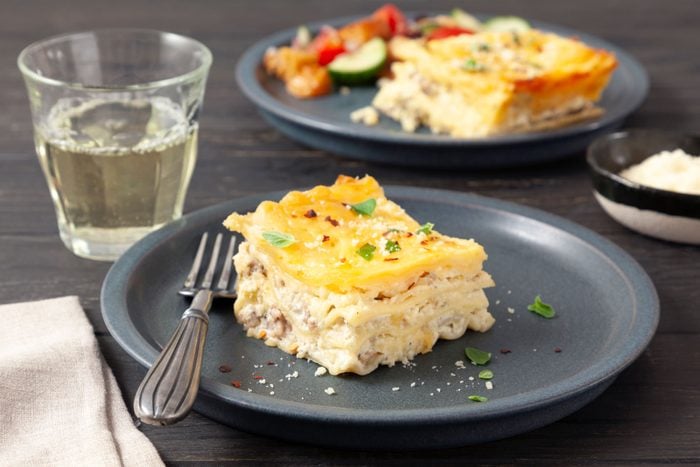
[(651, 414)]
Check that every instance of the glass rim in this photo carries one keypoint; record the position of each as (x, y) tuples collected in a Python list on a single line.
[(197, 72)]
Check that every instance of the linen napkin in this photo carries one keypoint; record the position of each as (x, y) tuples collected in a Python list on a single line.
[(59, 401)]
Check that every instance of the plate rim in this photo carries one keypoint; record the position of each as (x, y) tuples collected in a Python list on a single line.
[(115, 287), (247, 81)]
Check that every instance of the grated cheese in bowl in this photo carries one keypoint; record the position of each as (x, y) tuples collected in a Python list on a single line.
[(668, 170)]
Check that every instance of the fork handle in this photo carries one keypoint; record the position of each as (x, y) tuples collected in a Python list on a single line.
[(168, 391)]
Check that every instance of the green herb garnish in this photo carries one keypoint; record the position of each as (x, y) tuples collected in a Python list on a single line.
[(392, 246), (481, 47), (478, 398), (426, 29), (477, 357), (367, 251), (486, 374), (366, 208), (516, 37), (426, 228), (543, 309), (279, 239), (472, 65)]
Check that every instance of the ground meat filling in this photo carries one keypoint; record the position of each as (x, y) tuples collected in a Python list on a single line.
[(255, 267), (276, 324), (306, 324)]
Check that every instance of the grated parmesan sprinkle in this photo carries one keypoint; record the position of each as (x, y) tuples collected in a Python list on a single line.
[(668, 170)]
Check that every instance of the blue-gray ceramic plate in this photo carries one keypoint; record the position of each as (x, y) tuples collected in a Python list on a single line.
[(324, 122), (544, 369)]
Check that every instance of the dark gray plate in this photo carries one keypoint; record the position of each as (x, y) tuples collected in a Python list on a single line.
[(607, 313), (325, 123)]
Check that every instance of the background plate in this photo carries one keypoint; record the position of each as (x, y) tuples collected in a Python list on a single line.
[(607, 313), (325, 122)]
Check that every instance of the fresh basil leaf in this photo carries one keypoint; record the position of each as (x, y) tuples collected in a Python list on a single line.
[(476, 356), (367, 251), (427, 28), (543, 309), (366, 208), (392, 246), (426, 228), (478, 399), (486, 374), (481, 47), (279, 239), (472, 65)]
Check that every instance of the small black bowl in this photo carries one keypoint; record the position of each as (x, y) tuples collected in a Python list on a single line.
[(659, 213)]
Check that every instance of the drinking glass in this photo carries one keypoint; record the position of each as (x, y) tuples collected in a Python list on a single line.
[(115, 127)]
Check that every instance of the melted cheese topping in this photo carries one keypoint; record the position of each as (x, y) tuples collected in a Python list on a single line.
[(493, 60), (500, 72), (328, 234), (516, 57)]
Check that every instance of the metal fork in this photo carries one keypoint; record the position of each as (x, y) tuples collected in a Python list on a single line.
[(168, 391)]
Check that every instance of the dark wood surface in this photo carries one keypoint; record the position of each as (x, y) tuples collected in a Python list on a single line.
[(650, 415)]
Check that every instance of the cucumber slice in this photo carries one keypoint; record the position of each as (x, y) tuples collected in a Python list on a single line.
[(361, 66), (465, 20), (507, 23)]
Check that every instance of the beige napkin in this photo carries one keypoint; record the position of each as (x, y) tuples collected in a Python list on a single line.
[(59, 402)]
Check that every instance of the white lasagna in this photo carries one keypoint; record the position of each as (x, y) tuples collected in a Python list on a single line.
[(492, 83), (344, 277)]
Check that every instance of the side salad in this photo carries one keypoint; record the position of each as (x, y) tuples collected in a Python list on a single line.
[(357, 54)]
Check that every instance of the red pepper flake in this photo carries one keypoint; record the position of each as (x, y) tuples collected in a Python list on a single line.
[(505, 351), (391, 259), (425, 273), (557, 350), (310, 214), (332, 221), (270, 362), (411, 285), (325, 238), (424, 242), (225, 369), (409, 234), (342, 260), (236, 384), (257, 377)]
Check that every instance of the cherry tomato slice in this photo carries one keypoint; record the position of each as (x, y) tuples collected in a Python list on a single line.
[(392, 16), (443, 32)]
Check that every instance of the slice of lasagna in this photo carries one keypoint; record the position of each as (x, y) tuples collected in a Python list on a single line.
[(493, 82), (343, 276)]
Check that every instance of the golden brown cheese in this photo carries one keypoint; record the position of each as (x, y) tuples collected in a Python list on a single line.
[(328, 234), (509, 78)]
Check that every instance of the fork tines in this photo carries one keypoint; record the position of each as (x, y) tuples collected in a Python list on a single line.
[(222, 286)]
